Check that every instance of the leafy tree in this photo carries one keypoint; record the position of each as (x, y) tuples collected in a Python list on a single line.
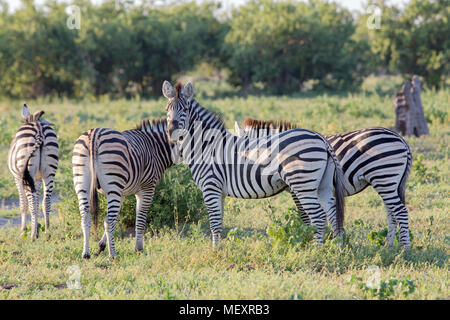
[(413, 40), (282, 44)]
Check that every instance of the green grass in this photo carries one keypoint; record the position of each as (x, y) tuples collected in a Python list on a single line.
[(179, 262)]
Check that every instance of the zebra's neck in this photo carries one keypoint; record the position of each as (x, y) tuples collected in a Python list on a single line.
[(208, 118), (206, 131)]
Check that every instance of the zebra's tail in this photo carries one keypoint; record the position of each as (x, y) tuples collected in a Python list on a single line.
[(402, 186), (93, 195), (26, 176), (339, 191)]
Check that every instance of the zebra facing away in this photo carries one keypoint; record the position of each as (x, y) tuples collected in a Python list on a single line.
[(223, 164), (119, 164), (372, 156), (32, 157)]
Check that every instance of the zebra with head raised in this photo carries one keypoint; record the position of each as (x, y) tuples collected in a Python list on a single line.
[(32, 157), (223, 164), (119, 164), (372, 156)]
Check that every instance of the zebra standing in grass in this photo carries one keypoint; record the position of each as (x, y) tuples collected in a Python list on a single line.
[(223, 164), (119, 164), (32, 157), (372, 156)]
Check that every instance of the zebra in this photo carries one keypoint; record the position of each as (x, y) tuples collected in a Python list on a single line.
[(371, 156), (119, 164), (33, 158), (223, 164)]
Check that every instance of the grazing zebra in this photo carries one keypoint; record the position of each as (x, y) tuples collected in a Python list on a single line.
[(119, 164), (223, 164), (32, 157), (370, 156)]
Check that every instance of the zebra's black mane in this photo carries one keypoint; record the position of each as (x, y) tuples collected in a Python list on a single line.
[(217, 118), (155, 125), (272, 124)]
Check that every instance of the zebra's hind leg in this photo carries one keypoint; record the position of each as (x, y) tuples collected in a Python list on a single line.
[(392, 227), (23, 202), (102, 244), (47, 201), (143, 201), (303, 215), (83, 205), (114, 206), (397, 214), (33, 207), (82, 184), (327, 199), (311, 204)]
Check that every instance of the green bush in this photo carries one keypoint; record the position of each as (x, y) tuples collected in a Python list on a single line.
[(291, 231)]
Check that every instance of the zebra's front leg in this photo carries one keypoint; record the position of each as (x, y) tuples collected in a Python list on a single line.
[(214, 205), (23, 205), (114, 205), (143, 201)]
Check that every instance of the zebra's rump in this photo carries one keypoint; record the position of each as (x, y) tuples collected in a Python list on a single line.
[(376, 156), (24, 146), (123, 161)]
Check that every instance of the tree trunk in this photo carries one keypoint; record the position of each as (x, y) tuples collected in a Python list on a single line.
[(409, 116)]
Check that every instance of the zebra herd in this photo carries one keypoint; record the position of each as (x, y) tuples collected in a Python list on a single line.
[(262, 160)]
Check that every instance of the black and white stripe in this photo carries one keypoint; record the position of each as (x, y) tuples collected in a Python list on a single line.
[(32, 157), (223, 164), (119, 164), (371, 156)]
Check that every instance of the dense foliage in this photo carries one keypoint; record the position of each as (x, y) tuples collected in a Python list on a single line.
[(124, 49), (283, 44)]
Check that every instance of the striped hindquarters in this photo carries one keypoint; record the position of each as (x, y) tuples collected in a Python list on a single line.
[(101, 159), (50, 156), (376, 156), (24, 156)]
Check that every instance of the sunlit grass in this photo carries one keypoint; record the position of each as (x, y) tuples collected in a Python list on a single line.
[(248, 265)]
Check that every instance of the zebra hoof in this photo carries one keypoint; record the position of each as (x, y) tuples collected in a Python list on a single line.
[(101, 247), (86, 256)]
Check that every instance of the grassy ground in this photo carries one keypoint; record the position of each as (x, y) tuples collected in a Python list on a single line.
[(179, 263)]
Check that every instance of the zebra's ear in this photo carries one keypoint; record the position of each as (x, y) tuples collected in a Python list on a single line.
[(38, 114), (25, 111), (188, 90), (168, 90), (239, 131)]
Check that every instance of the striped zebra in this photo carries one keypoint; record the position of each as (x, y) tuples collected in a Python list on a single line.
[(223, 164), (119, 164), (372, 156), (32, 157)]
